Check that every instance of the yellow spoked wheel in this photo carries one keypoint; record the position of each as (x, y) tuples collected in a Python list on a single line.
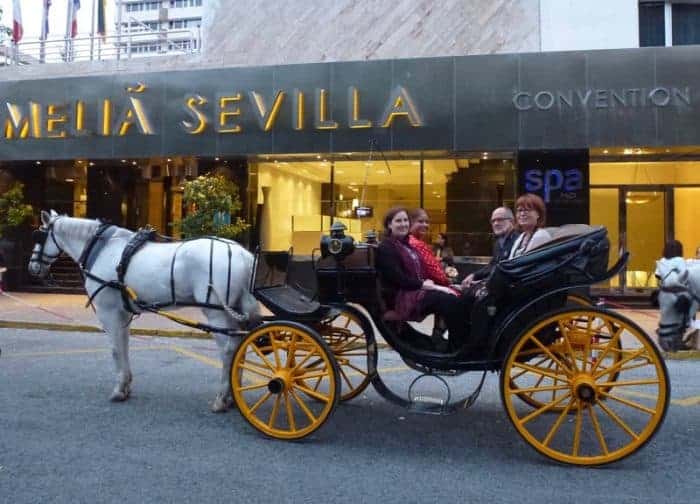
[(285, 380), (349, 337), (604, 396)]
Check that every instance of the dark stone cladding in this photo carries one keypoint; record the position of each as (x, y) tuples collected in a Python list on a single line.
[(529, 101)]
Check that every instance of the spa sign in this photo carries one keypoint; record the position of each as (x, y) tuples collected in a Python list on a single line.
[(224, 113)]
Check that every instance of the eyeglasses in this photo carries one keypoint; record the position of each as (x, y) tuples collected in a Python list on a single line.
[(498, 220), (525, 210)]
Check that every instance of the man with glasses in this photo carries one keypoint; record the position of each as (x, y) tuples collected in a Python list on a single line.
[(503, 226)]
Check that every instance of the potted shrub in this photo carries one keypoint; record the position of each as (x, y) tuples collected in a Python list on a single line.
[(13, 214)]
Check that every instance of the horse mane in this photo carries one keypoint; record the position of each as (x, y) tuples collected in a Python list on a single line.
[(76, 228)]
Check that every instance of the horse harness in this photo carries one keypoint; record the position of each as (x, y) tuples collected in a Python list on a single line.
[(96, 244), (682, 304)]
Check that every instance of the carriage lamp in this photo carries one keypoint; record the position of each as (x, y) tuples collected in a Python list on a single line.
[(337, 244)]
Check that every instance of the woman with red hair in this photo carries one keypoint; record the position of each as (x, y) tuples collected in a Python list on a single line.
[(530, 216)]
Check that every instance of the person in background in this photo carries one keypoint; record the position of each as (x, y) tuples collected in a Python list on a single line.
[(531, 216), (672, 248), (432, 268), (697, 253), (410, 294), (443, 252), (503, 227)]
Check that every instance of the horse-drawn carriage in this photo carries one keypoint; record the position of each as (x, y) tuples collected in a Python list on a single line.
[(580, 384)]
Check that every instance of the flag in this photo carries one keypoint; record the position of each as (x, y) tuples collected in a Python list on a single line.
[(73, 6), (45, 20), (17, 29), (101, 21)]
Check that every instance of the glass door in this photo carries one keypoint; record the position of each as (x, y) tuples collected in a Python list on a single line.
[(643, 229)]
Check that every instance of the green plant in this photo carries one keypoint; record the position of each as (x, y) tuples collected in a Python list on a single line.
[(13, 210), (213, 204)]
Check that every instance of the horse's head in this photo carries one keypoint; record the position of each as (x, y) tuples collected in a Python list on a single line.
[(46, 249), (678, 301)]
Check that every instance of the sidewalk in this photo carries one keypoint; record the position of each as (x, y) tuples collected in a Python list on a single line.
[(67, 312)]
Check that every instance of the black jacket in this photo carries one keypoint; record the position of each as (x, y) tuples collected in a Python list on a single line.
[(500, 253)]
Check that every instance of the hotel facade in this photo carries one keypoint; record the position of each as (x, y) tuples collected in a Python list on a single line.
[(326, 120)]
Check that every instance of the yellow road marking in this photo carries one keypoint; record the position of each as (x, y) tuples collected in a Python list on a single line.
[(75, 352), (196, 356), (687, 401)]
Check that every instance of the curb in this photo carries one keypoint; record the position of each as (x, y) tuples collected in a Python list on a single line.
[(50, 326)]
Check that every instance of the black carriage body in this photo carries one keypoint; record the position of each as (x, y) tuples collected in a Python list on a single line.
[(518, 292)]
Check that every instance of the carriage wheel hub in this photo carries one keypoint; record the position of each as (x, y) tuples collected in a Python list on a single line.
[(584, 388)]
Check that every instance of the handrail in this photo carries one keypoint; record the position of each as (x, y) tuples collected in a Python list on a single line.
[(99, 48)]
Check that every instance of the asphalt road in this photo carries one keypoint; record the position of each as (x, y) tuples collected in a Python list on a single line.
[(62, 441)]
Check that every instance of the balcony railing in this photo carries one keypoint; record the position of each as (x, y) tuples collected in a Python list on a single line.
[(127, 45)]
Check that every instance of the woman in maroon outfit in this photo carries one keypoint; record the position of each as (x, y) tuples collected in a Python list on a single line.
[(410, 294)]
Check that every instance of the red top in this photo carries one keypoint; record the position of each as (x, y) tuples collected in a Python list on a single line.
[(432, 269)]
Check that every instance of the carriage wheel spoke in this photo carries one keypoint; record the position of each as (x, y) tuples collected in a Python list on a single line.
[(565, 335), (577, 432), (520, 373), (290, 411), (255, 386), (257, 369), (619, 421), (262, 357), (357, 369), (543, 409), (291, 351), (273, 413), (629, 403), (303, 406), (529, 390), (618, 365), (275, 348), (303, 361), (557, 424), (536, 370), (260, 402), (311, 393), (612, 344), (598, 432), (552, 357), (341, 347), (309, 376), (629, 383), (636, 366), (345, 378)]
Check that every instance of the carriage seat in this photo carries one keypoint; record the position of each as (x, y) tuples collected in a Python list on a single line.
[(391, 316), (287, 302)]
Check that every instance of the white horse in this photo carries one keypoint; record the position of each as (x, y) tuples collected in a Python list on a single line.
[(155, 273), (679, 300)]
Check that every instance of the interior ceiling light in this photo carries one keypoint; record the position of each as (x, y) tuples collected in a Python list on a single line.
[(38, 162), (215, 159), (123, 160), (91, 163), (641, 198), (605, 151), (627, 151)]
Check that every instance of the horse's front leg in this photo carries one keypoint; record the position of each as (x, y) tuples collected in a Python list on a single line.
[(116, 325)]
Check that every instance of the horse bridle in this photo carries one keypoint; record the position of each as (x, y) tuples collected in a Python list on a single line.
[(39, 237)]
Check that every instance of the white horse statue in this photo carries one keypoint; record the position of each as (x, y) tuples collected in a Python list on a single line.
[(204, 271), (679, 300)]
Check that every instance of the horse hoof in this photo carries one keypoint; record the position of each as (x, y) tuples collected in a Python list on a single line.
[(118, 396), (222, 405)]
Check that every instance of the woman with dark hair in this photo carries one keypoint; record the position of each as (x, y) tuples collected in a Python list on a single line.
[(432, 269), (530, 216), (673, 248), (443, 252), (410, 294)]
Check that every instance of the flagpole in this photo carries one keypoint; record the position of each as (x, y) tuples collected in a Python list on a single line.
[(42, 47), (119, 28), (92, 30), (69, 31)]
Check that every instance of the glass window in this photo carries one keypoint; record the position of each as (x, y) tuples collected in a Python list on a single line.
[(291, 199), (646, 173), (686, 215), (686, 24), (460, 195), (652, 25), (605, 211), (376, 186)]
